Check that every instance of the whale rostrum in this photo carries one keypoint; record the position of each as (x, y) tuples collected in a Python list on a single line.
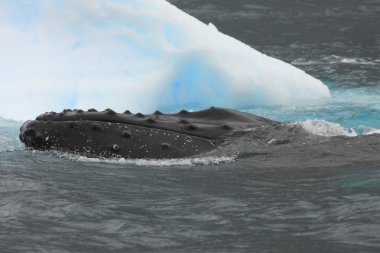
[(126, 135)]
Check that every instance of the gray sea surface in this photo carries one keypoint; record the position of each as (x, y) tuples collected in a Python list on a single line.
[(54, 204)]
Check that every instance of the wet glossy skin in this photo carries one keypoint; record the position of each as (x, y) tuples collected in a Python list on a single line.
[(127, 135)]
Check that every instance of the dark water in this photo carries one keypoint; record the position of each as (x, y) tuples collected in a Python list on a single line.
[(97, 207), (60, 203)]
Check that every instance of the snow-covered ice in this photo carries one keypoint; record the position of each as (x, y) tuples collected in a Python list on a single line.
[(137, 54)]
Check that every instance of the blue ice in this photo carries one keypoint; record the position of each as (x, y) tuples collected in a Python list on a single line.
[(137, 54)]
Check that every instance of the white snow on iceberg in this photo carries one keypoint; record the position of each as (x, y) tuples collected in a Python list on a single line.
[(137, 54)]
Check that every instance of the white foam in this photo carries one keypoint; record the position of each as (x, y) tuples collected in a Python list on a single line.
[(334, 59), (326, 128), (137, 54), (346, 60), (304, 62), (371, 131), (206, 160), (357, 61)]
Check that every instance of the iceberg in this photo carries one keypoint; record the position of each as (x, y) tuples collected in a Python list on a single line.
[(144, 55)]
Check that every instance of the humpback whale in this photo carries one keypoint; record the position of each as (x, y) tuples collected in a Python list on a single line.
[(126, 135), (214, 131)]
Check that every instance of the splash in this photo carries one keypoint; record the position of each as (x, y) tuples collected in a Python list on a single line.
[(326, 128), (355, 108), (9, 140), (137, 54), (203, 160)]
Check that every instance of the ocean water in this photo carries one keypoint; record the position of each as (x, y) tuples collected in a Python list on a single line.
[(55, 202)]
